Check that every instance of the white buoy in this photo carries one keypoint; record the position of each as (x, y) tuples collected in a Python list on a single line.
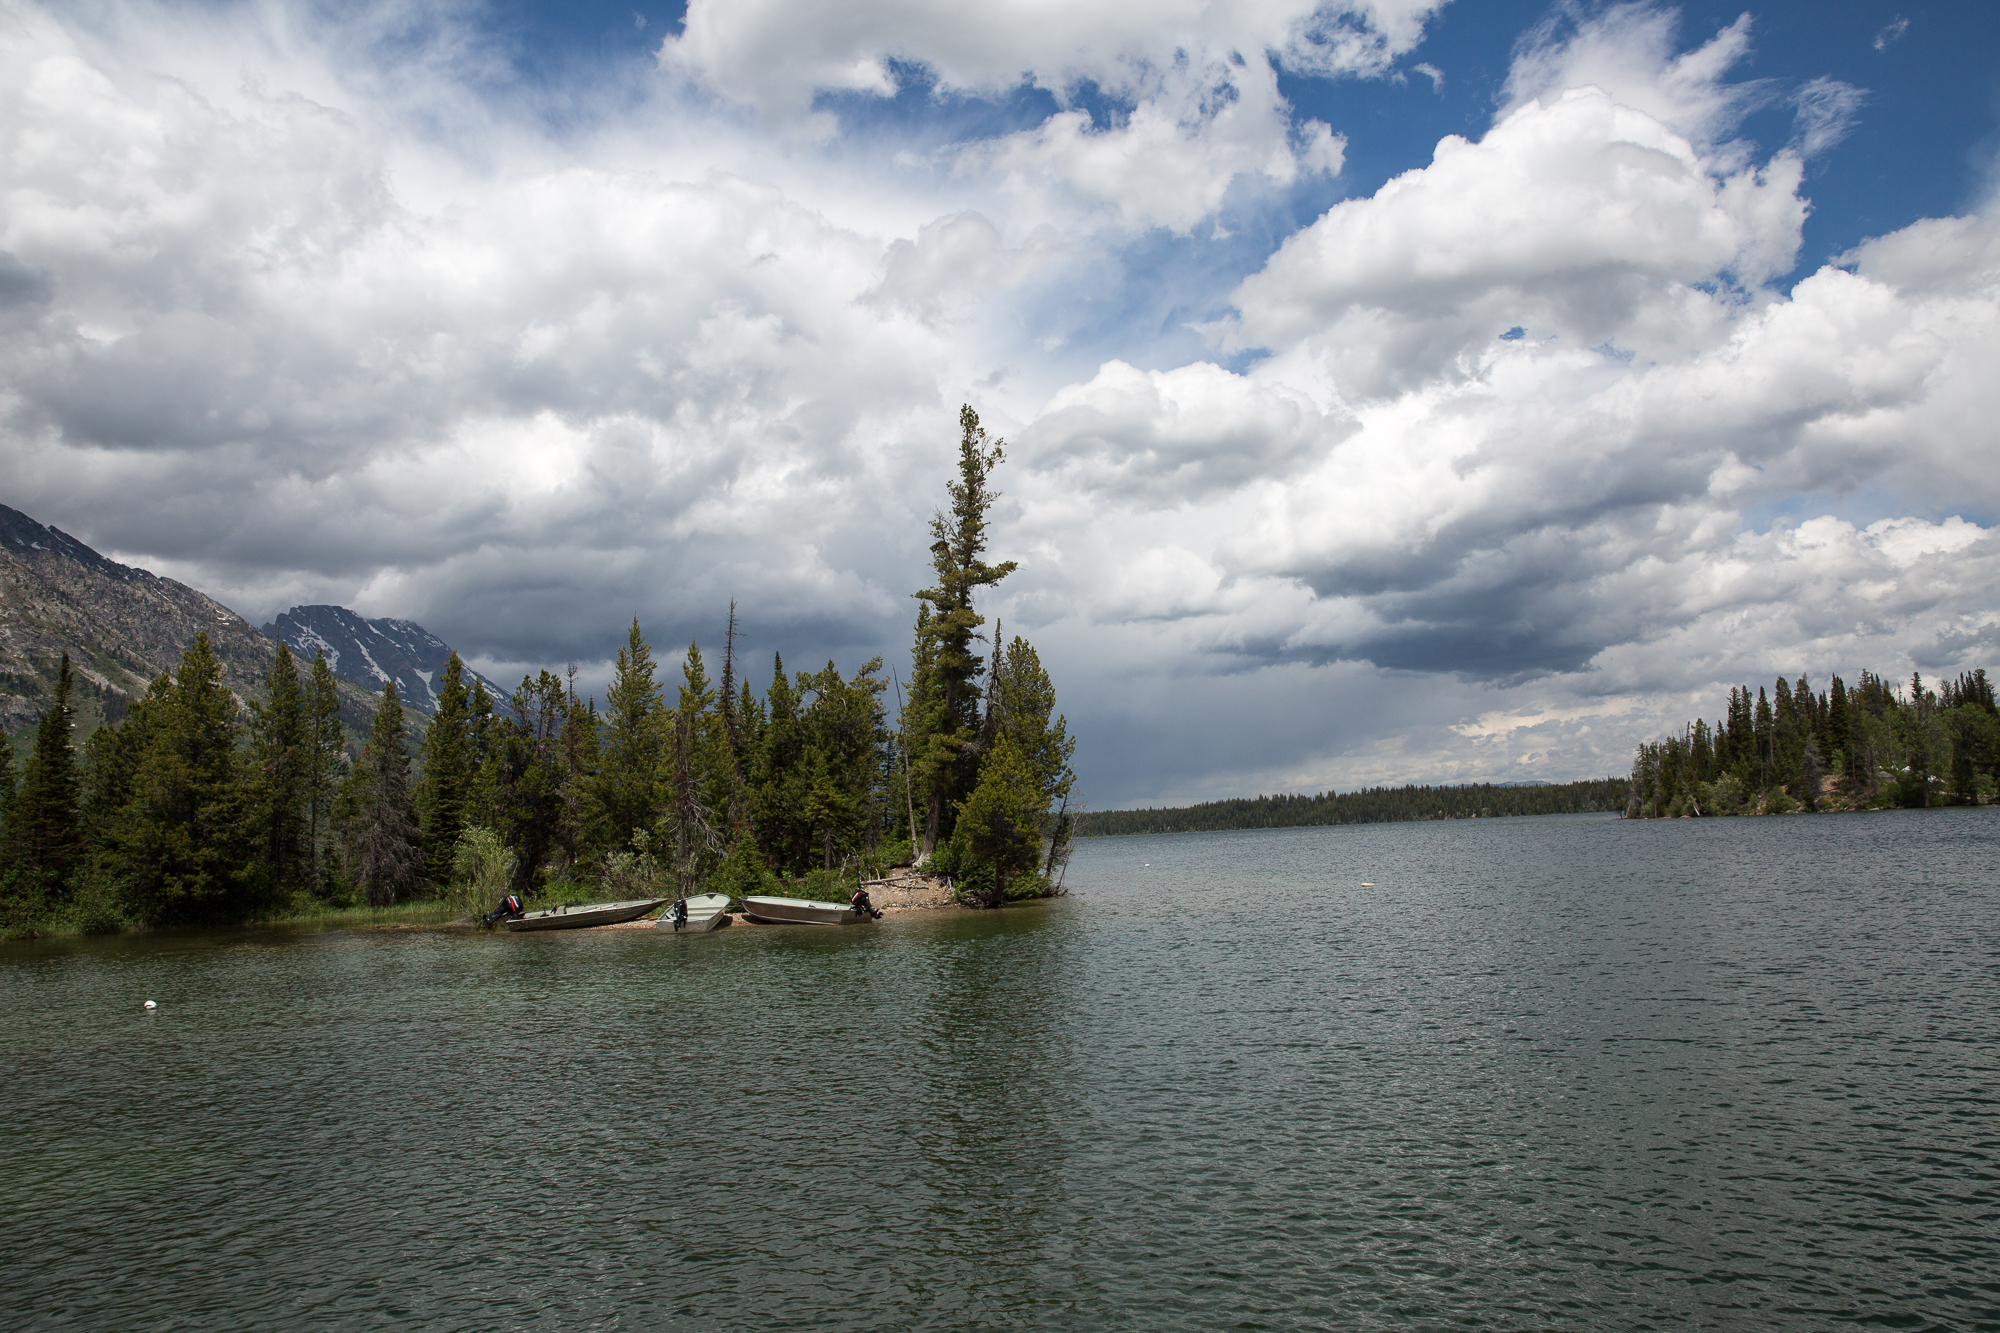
[(151, 1005)]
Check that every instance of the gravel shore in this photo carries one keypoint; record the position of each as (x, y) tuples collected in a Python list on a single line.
[(900, 891)]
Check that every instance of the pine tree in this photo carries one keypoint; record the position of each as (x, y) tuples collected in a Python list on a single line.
[(45, 826), (1024, 699), (1839, 728), (1763, 730), (446, 787), (279, 753), (381, 832), (1000, 825), (944, 728), (625, 792), (715, 770), (182, 854), (777, 782), (582, 738), (525, 777), (7, 789), (324, 760), (481, 727)]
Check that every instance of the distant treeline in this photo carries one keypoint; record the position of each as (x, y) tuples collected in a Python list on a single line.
[(1375, 805), (1873, 746)]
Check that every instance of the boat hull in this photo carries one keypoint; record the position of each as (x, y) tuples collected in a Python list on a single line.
[(800, 912), (587, 915), (706, 912)]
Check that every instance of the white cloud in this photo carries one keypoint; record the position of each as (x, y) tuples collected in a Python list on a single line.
[(1192, 85), (1558, 515), (295, 321), (776, 56)]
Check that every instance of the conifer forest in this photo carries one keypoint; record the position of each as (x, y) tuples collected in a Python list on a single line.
[(1371, 805), (1874, 746), (194, 809)]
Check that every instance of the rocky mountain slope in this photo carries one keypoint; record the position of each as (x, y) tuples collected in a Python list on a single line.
[(368, 652), (121, 627)]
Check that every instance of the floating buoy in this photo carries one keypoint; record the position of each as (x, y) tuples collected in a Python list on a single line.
[(1366, 885), (151, 1005)]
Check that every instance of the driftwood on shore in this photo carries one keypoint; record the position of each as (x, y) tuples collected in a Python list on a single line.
[(903, 889)]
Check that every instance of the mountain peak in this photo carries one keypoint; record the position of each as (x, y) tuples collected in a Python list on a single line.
[(369, 652), (21, 533)]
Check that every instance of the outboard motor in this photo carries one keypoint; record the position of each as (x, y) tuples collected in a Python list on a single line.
[(862, 906), (510, 906), (679, 913)]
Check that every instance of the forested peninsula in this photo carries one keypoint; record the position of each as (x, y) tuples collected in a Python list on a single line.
[(1875, 746), (195, 809), (1374, 805)]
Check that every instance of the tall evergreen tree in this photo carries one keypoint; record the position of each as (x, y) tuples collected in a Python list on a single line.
[(625, 791), (45, 826), (1840, 741), (1764, 730), (481, 727), (381, 833), (526, 774), (580, 830), (1024, 699), (777, 777), (698, 708), (944, 730), (279, 754), (7, 787), (445, 789), (1000, 825), (184, 853), (324, 759)]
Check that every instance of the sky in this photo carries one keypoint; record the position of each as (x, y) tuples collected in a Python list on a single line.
[(1393, 391)]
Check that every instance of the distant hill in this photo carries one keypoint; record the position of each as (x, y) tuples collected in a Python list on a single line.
[(121, 627), (369, 652), (1375, 805)]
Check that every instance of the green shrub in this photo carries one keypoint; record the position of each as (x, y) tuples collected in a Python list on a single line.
[(822, 886), (482, 870), (742, 872), (99, 910), (884, 856), (635, 874), (1027, 885), (974, 884)]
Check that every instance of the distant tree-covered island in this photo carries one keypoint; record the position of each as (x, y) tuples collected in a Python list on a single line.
[(1875, 746), (195, 810), (1372, 805)]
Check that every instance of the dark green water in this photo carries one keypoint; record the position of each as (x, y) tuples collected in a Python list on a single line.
[(1547, 1074)]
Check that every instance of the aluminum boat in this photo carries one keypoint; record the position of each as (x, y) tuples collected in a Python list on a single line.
[(801, 911), (705, 911), (585, 914)]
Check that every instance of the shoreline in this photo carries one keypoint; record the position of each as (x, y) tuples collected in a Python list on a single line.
[(895, 895)]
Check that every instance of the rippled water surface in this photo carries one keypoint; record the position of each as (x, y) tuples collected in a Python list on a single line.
[(1544, 1074)]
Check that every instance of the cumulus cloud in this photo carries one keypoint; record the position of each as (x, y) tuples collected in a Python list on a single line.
[(1568, 217), (1558, 516), (1482, 487), (569, 379), (1191, 87), (776, 57)]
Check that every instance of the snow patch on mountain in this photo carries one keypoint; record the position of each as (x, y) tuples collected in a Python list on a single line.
[(373, 651)]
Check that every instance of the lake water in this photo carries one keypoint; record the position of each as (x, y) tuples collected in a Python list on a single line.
[(1564, 1073)]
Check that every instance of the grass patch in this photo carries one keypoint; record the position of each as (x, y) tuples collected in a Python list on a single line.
[(325, 916)]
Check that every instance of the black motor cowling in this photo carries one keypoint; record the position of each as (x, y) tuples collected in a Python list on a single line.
[(507, 907)]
